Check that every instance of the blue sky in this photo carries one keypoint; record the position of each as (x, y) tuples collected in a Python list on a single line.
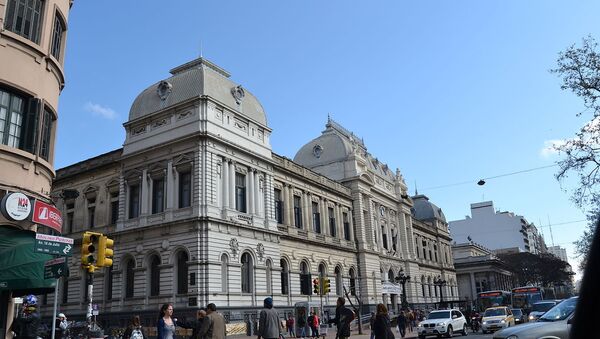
[(447, 91)]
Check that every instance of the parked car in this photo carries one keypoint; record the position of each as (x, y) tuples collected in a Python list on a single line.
[(520, 316), (496, 318), (556, 323), (541, 307), (442, 322)]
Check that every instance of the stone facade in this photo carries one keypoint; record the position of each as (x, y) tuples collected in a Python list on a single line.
[(202, 211)]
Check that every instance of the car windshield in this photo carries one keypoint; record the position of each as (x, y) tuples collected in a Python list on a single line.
[(542, 307), (517, 312), (439, 315), (560, 311), (494, 312)]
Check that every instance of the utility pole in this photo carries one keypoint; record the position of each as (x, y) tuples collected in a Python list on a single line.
[(357, 309)]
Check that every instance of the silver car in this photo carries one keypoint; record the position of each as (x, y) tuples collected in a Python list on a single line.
[(556, 323)]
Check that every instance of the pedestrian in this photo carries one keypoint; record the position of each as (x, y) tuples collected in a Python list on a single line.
[(411, 320), (371, 323), (343, 318), (268, 323), (213, 325), (289, 324), (61, 326), (27, 324), (383, 325), (134, 330), (314, 322), (302, 323), (195, 325), (401, 324), (165, 328)]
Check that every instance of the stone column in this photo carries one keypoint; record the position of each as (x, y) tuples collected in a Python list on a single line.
[(257, 200), (170, 185), (473, 286), (288, 205), (144, 187), (250, 192), (339, 221), (324, 216), (306, 211), (232, 185), (225, 183)]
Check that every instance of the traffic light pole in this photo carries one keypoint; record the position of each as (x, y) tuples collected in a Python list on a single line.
[(54, 308), (321, 297), (90, 292)]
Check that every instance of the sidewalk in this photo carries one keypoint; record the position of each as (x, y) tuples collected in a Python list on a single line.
[(331, 334)]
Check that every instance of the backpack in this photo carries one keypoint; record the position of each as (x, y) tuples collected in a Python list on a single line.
[(311, 320), (136, 333)]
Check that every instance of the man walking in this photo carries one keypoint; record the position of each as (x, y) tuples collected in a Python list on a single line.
[(269, 324), (195, 325), (213, 325), (402, 324), (343, 318)]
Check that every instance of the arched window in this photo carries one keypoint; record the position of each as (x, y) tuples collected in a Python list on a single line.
[(305, 280), (285, 273), (423, 286), (154, 276), (322, 271), (429, 287), (435, 289), (391, 275), (182, 272), (269, 280), (338, 281), (224, 273), (352, 282), (129, 277), (247, 273)]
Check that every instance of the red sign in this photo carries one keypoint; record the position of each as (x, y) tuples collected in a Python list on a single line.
[(491, 294), (47, 215), (527, 289)]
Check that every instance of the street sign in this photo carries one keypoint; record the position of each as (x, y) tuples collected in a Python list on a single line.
[(52, 244), (56, 268), (15, 206), (47, 215)]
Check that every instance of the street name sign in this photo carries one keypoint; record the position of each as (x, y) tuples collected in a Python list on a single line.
[(52, 244), (56, 268)]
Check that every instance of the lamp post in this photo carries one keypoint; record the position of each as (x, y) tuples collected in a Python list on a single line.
[(439, 282), (402, 279)]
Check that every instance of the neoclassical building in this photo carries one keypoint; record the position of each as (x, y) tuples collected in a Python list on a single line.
[(202, 211)]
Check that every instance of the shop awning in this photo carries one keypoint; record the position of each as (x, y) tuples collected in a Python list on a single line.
[(22, 269)]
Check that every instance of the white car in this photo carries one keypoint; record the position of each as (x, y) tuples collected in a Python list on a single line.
[(442, 322)]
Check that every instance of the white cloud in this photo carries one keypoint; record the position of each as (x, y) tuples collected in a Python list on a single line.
[(101, 111), (549, 148)]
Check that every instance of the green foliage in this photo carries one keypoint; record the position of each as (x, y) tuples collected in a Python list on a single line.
[(539, 270)]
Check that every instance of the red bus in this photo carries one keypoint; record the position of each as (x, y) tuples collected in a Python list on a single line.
[(525, 297), (489, 299)]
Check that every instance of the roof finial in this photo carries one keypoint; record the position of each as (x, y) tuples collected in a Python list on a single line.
[(200, 48), (328, 117), (416, 191)]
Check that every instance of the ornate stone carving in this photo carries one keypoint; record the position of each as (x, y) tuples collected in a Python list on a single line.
[(159, 123), (317, 151), (260, 251), (238, 94), (234, 246), (165, 245), (164, 89), (139, 249), (138, 130), (184, 115)]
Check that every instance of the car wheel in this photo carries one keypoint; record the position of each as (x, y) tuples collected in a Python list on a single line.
[(449, 332), (464, 331)]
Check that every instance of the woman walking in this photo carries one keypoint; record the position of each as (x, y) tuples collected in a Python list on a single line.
[(134, 330), (165, 328), (382, 325)]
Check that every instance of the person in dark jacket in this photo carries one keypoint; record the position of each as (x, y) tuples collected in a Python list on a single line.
[(195, 325), (269, 325), (402, 322), (382, 325), (343, 318), (27, 324), (134, 330)]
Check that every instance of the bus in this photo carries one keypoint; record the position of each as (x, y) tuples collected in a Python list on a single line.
[(525, 297), (489, 299)]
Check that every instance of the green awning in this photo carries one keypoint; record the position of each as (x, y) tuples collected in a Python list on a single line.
[(22, 269)]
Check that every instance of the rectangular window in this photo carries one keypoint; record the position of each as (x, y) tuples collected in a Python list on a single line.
[(240, 192), (23, 18), (346, 226), (305, 284), (316, 216), (297, 211), (158, 195), (47, 122), (134, 201), (185, 189), (384, 237), (57, 36), (91, 212), (12, 109), (424, 243), (332, 226), (435, 252), (114, 207), (70, 215), (278, 207)]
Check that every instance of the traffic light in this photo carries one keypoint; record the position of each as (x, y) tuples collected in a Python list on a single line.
[(89, 245), (316, 287), (326, 286), (105, 251)]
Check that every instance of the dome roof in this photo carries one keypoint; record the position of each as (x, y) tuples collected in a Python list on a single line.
[(195, 79), (327, 148), (424, 210)]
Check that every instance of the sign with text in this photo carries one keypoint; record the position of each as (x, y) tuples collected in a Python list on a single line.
[(15, 206), (56, 268), (47, 215), (52, 244)]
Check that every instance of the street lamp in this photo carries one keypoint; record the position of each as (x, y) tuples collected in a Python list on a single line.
[(439, 282), (402, 279)]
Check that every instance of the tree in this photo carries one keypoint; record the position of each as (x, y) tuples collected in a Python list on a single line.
[(540, 270), (579, 68)]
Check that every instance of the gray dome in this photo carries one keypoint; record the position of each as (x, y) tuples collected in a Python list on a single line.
[(424, 210), (195, 79), (325, 149)]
